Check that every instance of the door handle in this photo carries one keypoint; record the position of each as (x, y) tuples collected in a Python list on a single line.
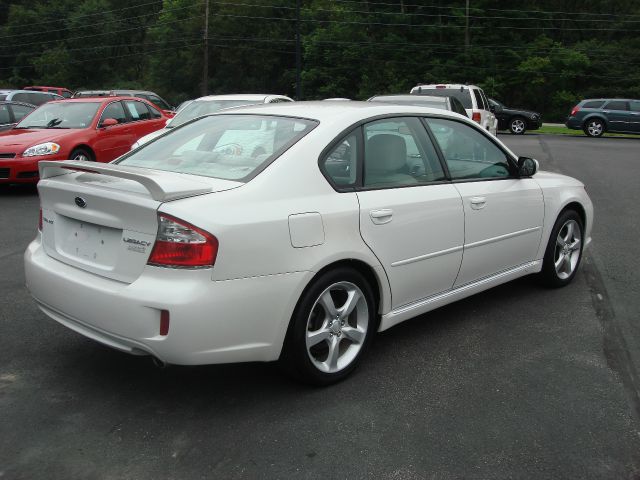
[(382, 216), (478, 203)]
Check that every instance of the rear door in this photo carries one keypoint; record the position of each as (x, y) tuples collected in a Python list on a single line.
[(503, 214), (410, 216), (143, 119)]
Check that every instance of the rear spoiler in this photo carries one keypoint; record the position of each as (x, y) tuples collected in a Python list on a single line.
[(163, 187)]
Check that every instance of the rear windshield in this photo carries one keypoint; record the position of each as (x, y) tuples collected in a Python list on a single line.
[(464, 96), (198, 108), (61, 115), (229, 147)]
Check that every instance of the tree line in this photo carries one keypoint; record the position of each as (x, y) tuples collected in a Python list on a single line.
[(538, 54)]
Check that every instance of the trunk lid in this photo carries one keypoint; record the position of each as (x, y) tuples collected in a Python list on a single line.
[(103, 218)]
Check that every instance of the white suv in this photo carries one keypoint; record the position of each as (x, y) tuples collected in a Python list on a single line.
[(473, 99)]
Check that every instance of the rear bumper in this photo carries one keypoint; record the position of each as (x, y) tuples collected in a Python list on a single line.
[(210, 322), (573, 123)]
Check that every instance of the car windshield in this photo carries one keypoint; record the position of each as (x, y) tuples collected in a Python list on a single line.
[(463, 95), (229, 147), (198, 108), (61, 115)]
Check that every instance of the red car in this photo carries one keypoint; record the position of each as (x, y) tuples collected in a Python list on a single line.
[(94, 129)]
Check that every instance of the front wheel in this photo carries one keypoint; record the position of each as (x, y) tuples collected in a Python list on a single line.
[(81, 154), (517, 126), (594, 127), (331, 327), (564, 250)]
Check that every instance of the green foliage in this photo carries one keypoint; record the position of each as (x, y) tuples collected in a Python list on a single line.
[(538, 55)]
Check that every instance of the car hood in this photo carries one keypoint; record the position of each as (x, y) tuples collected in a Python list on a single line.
[(25, 138)]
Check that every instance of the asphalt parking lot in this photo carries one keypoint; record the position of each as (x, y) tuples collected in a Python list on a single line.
[(517, 382)]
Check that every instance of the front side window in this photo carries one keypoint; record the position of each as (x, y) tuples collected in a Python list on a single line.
[(61, 115), (616, 105), (228, 147), (114, 110), (469, 154), (341, 164), (634, 105), (21, 111), (5, 118), (397, 152)]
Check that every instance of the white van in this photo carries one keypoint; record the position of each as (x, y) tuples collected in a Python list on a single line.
[(472, 97)]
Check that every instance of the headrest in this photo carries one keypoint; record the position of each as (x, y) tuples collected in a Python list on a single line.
[(386, 152)]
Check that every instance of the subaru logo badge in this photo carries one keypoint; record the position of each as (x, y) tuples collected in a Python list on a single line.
[(81, 202)]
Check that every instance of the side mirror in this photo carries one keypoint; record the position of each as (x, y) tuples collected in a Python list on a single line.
[(527, 167), (108, 122), (492, 108)]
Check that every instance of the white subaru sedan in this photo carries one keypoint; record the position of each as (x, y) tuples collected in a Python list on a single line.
[(294, 232)]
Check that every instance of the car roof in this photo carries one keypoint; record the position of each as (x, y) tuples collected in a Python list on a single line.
[(253, 97), (445, 85), (338, 111), (45, 86), (98, 99), (411, 98)]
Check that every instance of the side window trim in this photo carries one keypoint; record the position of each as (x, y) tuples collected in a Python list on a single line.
[(436, 146)]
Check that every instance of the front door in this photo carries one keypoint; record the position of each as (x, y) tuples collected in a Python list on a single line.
[(503, 213), (113, 141)]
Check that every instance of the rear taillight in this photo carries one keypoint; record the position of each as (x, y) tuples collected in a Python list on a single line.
[(40, 221), (180, 244), (574, 110), (475, 116)]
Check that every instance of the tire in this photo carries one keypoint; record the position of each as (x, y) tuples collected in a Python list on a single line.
[(323, 346), (594, 127), (517, 126), (81, 154), (564, 250)]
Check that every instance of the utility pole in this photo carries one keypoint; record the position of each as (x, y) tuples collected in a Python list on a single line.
[(205, 58), (467, 40), (298, 55)]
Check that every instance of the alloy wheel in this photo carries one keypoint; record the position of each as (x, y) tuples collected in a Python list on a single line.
[(595, 128), (517, 126), (568, 249), (337, 327)]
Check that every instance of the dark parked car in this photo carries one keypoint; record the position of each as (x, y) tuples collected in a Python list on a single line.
[(598, 115), (515, 120), (12, 112), (445, 103)]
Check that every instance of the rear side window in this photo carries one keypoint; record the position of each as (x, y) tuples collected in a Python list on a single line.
[(66, 94), (594, 104), (479, 100), (137, 110), (616, 105), (397, 152), (228, 147), (4, 115), (154, 111), (341, 163), (155, 100), (634, 105)]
